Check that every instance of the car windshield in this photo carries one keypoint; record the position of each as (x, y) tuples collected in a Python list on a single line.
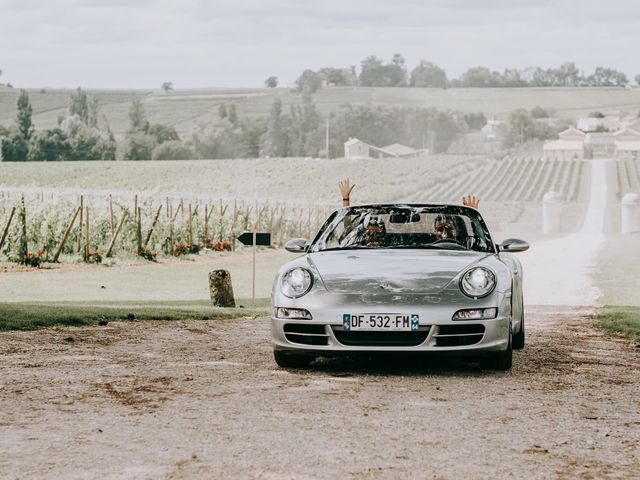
[(404, 226)]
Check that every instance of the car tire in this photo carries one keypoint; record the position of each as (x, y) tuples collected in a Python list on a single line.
[(499, 360), (518, 338), (289, 360)]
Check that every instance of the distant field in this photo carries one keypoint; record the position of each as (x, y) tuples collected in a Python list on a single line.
[(291, 180), (187, 109)]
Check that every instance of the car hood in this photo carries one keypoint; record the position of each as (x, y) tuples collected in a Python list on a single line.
[(397, 271)]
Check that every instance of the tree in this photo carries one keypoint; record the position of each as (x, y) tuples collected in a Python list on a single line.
[(79, 105), (271, 82), (337, 77), (397, 71), (275, 142), (521, 127), (607, 77), (23, 118), (222, 111), (479, 77), (637, 79), (167, 86), (139, 146), (49, 146), (172, 150), (374, 73), (14, 147), (163, 133), (310, 81), (428, 74), (539, 112), (137, 117), (475, 121), (233, 114)]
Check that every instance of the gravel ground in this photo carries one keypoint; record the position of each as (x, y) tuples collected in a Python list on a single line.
[(204, 399)]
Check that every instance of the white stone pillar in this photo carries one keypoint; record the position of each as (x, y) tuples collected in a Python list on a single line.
[(551, 212), (630, 218)]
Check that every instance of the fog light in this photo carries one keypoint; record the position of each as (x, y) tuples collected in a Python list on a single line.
[(476, 314), (293, 313)]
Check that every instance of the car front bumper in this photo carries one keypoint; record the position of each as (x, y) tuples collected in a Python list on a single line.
[(437, 333)]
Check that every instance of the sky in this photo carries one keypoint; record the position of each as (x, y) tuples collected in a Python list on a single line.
[(239, 43)]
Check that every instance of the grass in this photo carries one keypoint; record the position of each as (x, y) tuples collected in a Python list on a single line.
[(23, 316), (618, 273), (189, 108), (620, 319)]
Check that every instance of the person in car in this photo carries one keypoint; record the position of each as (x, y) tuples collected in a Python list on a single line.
[(445, 226), (346, 187)]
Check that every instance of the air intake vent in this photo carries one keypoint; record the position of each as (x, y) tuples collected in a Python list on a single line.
[(458, 335), (306, 334), (382, 339)]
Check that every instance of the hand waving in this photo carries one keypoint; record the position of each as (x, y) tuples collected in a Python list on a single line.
[(470, 201)]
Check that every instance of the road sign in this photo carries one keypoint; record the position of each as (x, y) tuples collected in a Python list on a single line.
[(262, 239)]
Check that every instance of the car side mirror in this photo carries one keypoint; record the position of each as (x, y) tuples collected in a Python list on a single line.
[(513, 245), (297, 245)]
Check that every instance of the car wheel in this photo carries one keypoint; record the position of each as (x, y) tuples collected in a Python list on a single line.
[(518, 338), (289, 360), (499, 360)]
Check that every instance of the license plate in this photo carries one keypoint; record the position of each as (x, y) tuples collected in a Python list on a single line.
[(395, 322)]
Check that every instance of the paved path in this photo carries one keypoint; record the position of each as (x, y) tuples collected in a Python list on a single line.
[(560, 271)]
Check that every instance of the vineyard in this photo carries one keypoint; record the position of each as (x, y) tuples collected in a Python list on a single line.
[(45, 223), (628, 176)]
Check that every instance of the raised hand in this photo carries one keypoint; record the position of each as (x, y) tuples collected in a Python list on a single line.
[(345, 190), (470, 201)]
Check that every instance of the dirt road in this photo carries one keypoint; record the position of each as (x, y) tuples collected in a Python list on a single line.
[(204, 399)]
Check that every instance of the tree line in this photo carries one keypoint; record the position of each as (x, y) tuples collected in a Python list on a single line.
[(82, 134), (296, 130), (375, 72)]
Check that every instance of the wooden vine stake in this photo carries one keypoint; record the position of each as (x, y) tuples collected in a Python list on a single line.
[(190, 224), (116, 233), (139, 229), (87, 237), (24, 247), (66, 234), (80, 229), (153, 225), (5, 231)]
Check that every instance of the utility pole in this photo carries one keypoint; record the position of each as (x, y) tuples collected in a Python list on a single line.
[(327, 137)]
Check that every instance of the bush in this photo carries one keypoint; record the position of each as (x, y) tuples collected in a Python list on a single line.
[(172, 150)]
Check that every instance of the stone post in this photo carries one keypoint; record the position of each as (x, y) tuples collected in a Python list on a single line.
[(630, 213), (221, 289)]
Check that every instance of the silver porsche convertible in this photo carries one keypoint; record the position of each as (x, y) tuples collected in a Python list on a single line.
[(400, 278)]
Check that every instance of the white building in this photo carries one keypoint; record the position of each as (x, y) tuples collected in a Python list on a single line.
[(627, 143), (355, 149), (569, 145)]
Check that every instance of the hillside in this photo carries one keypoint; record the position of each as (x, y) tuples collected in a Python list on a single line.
[(186, 109)]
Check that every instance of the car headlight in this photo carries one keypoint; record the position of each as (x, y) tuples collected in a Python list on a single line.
[(296, 282), (478, 282), (476, 314)]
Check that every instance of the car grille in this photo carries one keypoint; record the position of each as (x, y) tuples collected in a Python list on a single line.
[(306, 334), (381, 339), (458, 335)]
